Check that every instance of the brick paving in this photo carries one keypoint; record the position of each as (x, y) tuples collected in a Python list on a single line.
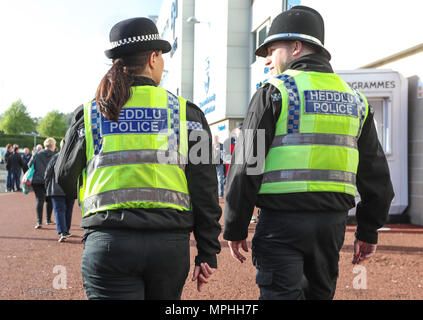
[(34, 264)]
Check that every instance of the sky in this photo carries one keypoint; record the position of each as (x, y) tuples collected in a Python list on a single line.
[(358, 32), (52, 51)]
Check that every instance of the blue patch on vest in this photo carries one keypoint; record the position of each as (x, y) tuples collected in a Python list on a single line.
[(331, 102), (140, 120)]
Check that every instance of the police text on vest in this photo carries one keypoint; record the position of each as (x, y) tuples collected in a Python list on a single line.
[(330, 102), (138, 120)]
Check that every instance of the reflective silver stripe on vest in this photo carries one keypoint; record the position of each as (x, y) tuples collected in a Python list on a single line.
[(137, 195), (315, 138), (126, 157), (309, 175)]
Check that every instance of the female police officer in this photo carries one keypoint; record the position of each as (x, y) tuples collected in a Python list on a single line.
[(139, 193)]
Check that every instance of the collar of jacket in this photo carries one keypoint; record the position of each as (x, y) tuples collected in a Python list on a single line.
[(311, 62), (143, 81)]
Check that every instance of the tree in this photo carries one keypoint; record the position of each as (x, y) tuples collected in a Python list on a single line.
[(16, 119), (52, 125), (68, 118)]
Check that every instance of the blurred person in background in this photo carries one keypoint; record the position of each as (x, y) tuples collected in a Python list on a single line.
[(26, 157), (62, 204), (40, 161), (16, 165), (220, 165), (229, 146), (9, 152)]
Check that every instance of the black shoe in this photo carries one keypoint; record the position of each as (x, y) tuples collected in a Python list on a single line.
[(66, 235), (50, 222)]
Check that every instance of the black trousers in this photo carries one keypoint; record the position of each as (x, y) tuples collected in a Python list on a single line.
[(135, 264), (40, 198), (296, 254)]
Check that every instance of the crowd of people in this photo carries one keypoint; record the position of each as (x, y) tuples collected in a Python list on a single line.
[(46, 190), (16, 162)]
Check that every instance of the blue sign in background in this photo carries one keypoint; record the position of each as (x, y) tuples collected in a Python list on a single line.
[(140, 120), (292, 3)]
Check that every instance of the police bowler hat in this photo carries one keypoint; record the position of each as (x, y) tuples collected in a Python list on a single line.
[(135, 35), (299, 23)]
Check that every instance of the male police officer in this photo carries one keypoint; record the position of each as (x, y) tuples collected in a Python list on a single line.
[(320, 145), (140, 194)]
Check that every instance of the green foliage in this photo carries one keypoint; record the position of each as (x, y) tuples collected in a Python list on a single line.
[(54, 124), (16, 119), (68, 117)]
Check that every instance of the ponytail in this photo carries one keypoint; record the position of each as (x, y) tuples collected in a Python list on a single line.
[(114, 91)]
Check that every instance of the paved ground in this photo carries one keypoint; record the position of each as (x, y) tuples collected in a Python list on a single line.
[(36, 267)]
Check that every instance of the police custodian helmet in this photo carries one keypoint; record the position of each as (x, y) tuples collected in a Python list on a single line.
[(299, 23), (133, 35)]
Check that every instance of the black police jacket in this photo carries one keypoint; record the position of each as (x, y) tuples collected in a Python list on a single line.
[(373, 177), (202, 184)]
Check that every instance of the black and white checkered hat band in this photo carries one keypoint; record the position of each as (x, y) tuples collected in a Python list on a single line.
[(147, 37)]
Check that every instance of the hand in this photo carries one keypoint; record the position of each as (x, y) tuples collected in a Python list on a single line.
[(362, 251), (234, 247), (201, 274)]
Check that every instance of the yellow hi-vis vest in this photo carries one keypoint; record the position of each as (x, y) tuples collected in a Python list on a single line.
[(315, 144), (138, 161)]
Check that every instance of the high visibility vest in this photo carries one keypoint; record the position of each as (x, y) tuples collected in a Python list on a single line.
[(315, 144), (138, 161)]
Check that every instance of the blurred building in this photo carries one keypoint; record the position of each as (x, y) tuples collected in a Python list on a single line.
[(409, 63), (212, 61)]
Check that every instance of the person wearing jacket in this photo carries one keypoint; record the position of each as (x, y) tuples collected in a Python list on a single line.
[(320, 145), (139, 191), (40, 161), (16, 164), (9, 152), (26, 157), (62, 204), (220, 166)]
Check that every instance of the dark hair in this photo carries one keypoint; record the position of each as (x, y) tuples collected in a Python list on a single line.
[(114, 89), (15, 149)]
